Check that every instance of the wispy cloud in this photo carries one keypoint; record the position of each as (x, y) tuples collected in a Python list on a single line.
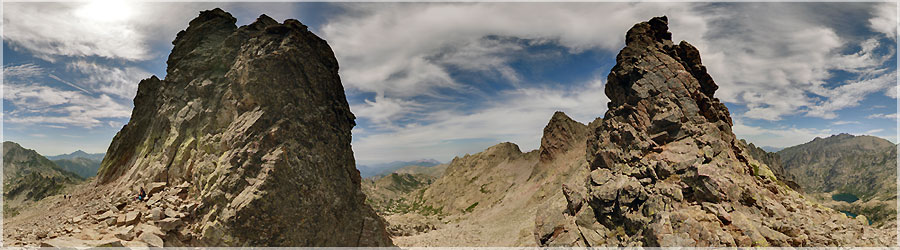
[(37, 104), (518, 116), (779, 136), (76, 86), (118, 81), (882, 116), (778, 59), (75, 29), (844, 122), (850, 95), (403, 50), (23, 71), (873, 131), (885, 19)]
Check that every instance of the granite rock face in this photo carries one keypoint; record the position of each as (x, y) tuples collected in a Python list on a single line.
[(666, 169), (560, 135), (255, 119)]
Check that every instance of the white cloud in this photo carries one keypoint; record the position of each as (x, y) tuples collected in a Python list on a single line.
[(404, 50), (518, 116), (779, 137), (885, 19), (849, 95), (75, 29), (882, 116), (844, 122), (383, 110), (891, 92), (776, 57), (122, 30), (36, 104), (23, 71), (873, 131), (118, 81)]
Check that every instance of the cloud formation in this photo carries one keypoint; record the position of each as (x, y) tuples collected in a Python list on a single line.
[(405, 49), (38, 104), (517, 116), (777, 59), (121, 82)]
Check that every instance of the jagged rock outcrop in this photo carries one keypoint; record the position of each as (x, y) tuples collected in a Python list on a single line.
[(666, 169), (560, 135), (255, 119), (492, 198), (29, 177), (773, 161)]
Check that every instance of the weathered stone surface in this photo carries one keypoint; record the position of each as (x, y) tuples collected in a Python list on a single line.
[(156, 214), (254, 119), (152, 240), (666, 169), (168, 224), (132, 218), (560, 134), (155, 187), (125, 233)]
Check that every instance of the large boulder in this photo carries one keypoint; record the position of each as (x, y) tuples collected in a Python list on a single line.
[(255, 119)]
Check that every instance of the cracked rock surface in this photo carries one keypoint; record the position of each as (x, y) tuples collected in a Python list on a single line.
[(666, 169)]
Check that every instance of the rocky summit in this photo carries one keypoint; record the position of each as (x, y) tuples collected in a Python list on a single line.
[(253, 125), (666, 169), (560, 135)]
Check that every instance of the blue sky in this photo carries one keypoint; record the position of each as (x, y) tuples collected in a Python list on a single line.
[(438, 80)]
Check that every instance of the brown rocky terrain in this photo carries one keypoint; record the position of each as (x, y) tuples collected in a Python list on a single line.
[(666, 169), (246, 142), (490, 198)]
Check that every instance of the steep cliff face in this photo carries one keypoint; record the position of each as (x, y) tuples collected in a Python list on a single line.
[(561, 134), (666, 169), (255, 120)]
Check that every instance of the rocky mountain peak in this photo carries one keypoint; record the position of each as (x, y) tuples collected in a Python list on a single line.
[(560, 134), (251, 118), (666, 169)]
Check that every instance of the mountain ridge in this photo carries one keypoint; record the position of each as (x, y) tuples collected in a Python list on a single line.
[(667, 170)]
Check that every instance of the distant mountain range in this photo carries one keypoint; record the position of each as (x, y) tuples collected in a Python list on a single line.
[(863, 168), (78, 154), (79, 162), (366, 171)]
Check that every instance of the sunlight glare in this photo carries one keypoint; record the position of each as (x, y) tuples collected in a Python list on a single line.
[(105, 11)]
